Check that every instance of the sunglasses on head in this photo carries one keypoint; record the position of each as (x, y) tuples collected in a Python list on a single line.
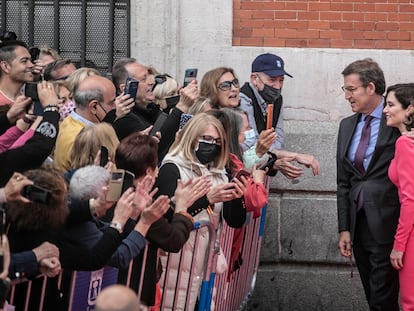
[(160, 79)]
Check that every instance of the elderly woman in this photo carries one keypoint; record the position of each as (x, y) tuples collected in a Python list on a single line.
[(201, 150)]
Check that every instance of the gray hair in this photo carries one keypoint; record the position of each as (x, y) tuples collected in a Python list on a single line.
[(87, 182), (83, 97)]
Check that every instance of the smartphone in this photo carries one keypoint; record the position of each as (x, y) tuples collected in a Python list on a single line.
[(30, 90), (34, 53), (241, 173), (37, 194), (158, 123), (269, 120), (185, 117), (131, 87), (104, 156), (120, 181), (37, 108), (190, 75)]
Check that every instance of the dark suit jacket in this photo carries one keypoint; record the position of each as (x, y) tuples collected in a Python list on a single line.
[(381, 203)]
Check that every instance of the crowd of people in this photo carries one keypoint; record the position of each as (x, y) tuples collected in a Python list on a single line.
[(85, 182)]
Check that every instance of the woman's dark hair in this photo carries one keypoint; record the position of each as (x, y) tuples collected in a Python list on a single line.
[(136, 153), (404, 93), (41, 216), (232, 122), (8, 36)]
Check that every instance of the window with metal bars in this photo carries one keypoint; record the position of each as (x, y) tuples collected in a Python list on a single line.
[(93, 33)]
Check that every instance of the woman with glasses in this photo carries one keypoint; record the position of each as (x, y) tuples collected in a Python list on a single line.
[(222, 87), (201, 149)]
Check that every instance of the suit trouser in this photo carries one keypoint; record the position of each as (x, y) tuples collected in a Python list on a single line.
[(379, 278)]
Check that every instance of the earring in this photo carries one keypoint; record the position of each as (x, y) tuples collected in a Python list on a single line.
[(409, 122)]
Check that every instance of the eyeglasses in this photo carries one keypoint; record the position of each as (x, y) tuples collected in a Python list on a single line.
[(210, 140), (226, 85), (350, 89)]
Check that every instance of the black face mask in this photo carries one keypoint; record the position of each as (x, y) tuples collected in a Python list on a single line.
[(270, 94), (207, 152), (171, 101)]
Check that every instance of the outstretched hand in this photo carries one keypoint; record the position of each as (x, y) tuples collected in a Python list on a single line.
[(187, 193)]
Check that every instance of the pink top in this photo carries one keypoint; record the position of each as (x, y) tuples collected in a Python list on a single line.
[(23, 138), (9, 137), (401, 173)]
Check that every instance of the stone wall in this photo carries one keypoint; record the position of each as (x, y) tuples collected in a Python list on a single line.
[(300, 266)]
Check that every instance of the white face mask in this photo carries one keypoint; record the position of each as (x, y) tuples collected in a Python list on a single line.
[(250, 138)]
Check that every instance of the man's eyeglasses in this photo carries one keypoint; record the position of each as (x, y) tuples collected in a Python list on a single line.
[(226, 85), (210, 140), (350, 89)]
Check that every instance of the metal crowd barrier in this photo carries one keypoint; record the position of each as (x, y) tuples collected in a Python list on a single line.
[(218, 291)]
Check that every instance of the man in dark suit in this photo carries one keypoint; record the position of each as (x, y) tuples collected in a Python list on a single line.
[(367, 201)]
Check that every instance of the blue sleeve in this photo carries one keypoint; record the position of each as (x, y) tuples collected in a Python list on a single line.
[(23, 264), (130, 248)]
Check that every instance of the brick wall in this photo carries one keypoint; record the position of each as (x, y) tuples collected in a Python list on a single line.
[(369, 24)]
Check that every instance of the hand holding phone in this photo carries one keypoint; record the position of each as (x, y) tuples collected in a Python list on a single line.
[(190, 75), (120, 181), (131, 87), (158, 123), (241, 173), (30, 90), (37, 194)]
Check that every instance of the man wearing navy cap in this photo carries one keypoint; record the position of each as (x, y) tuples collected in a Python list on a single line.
[(266, 81), (265, 86)]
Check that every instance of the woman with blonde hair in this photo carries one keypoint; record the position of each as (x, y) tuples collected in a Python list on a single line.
[(221, 86), (89, 141), (200, 150), (166, 88)]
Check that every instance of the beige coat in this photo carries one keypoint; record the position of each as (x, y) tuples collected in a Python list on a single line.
[(189, 170)]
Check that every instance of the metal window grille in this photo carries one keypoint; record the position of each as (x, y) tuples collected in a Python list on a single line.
[(90, 33)]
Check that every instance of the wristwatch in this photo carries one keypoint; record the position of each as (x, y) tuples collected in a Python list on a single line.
[(116, 225)]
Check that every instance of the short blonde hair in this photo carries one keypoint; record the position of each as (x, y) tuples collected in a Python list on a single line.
[(169, 88), (89, 141), (72, 82), (187, 141), (49, 51), (202, 104)]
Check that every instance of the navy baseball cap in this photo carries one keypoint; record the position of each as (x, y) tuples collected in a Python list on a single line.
[(270, 64)]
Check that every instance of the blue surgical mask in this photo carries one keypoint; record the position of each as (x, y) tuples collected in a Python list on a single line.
[(250, 138)]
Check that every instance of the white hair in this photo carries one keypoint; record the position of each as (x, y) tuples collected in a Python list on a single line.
[(87, 182)]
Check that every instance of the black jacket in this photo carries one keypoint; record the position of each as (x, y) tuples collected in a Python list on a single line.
[(32, 154), (381, 203)]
